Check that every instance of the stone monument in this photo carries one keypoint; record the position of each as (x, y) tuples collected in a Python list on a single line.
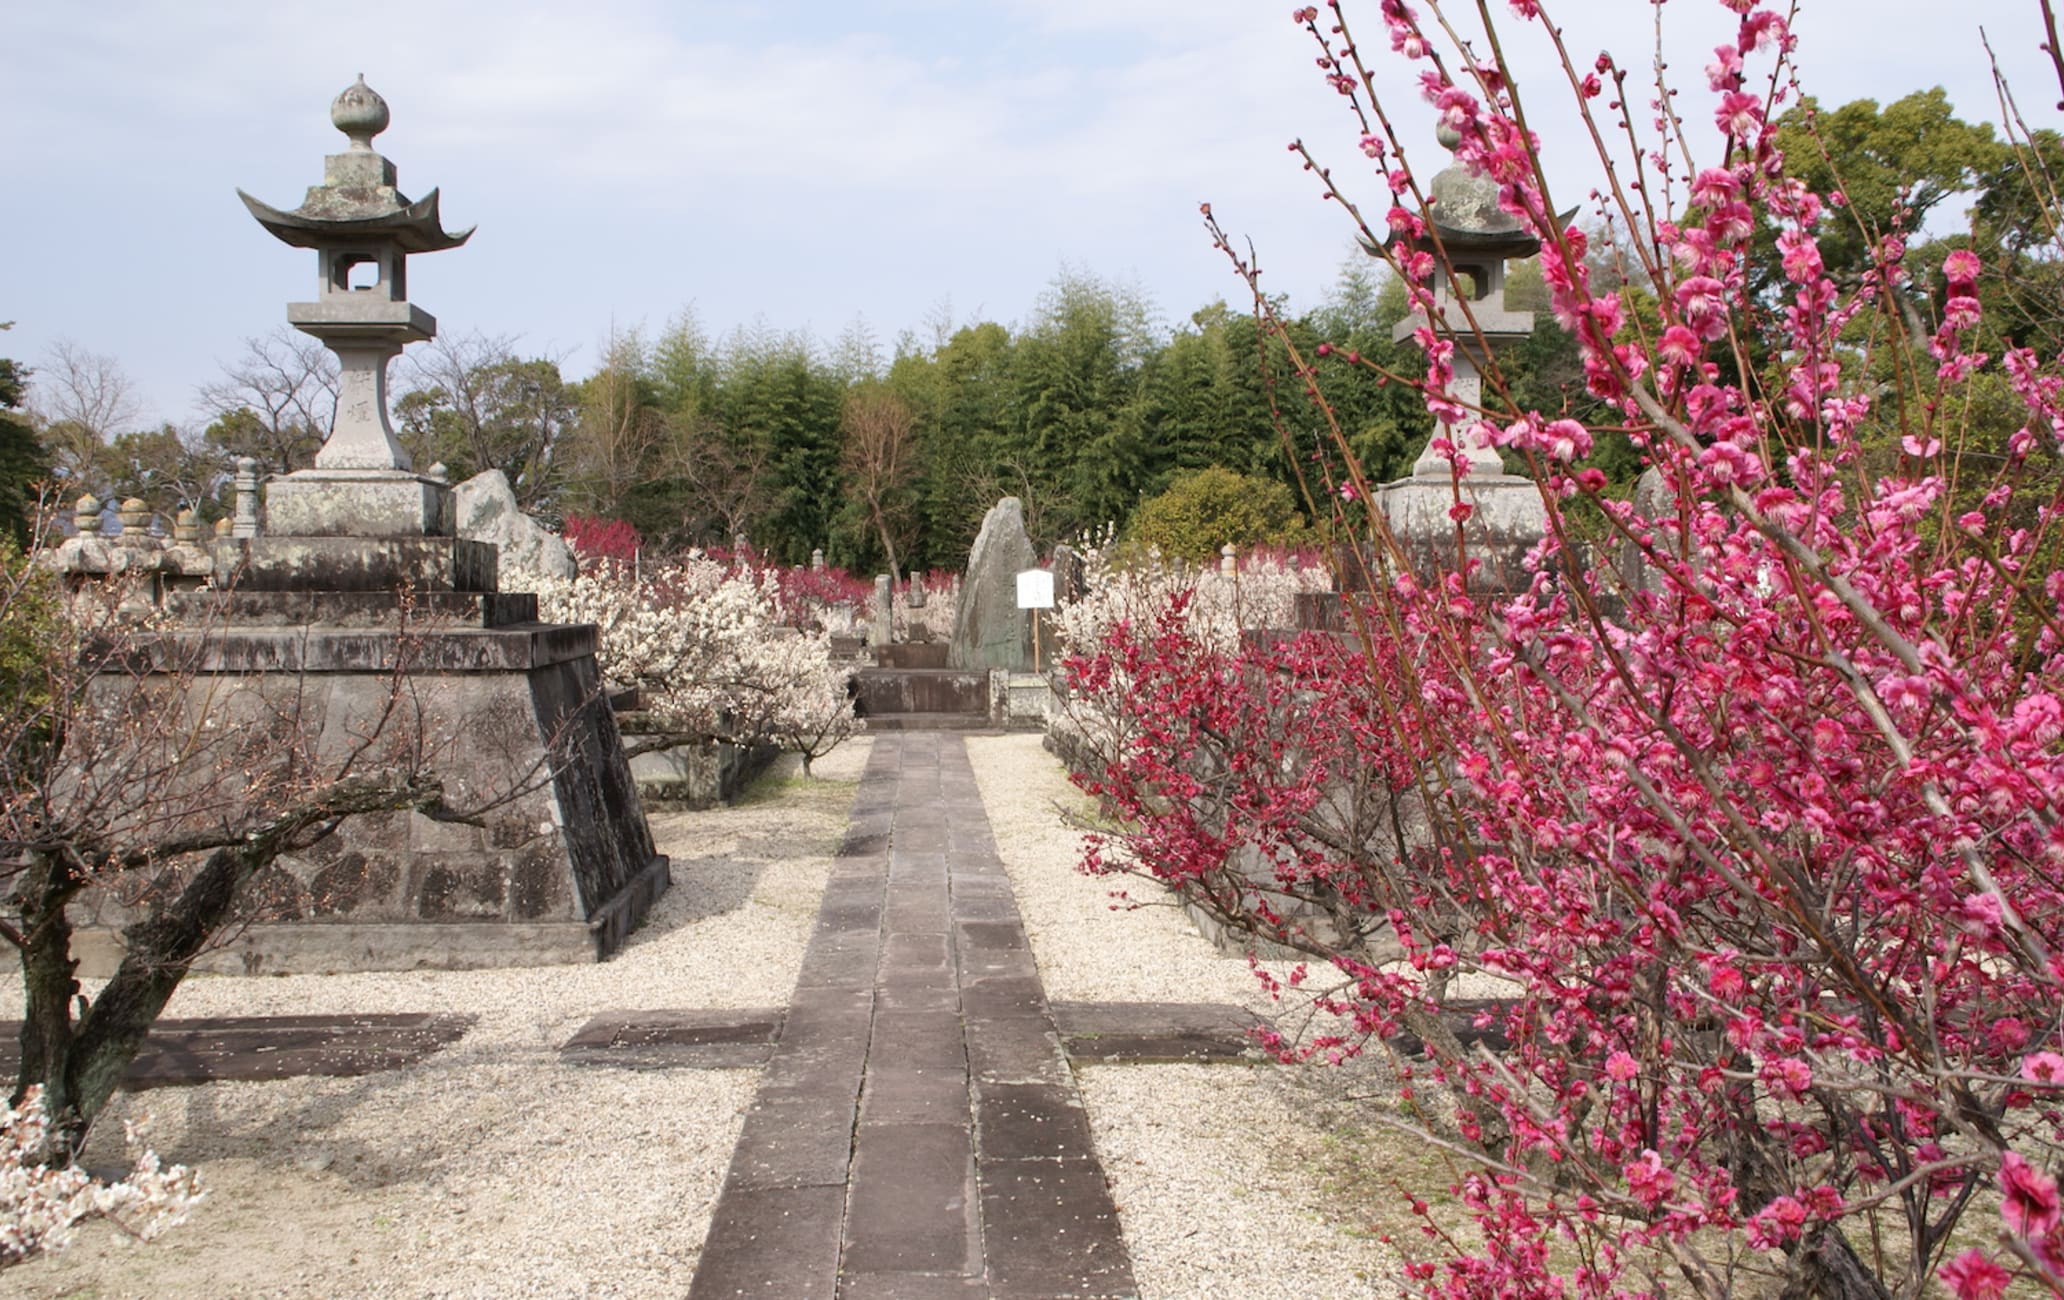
[(354, 567), (989, 630)]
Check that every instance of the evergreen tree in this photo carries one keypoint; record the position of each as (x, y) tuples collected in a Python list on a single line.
[(23, 463)]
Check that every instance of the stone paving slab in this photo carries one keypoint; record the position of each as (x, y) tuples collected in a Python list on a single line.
[(912, 1207), (781, 1243), (1031, 1121), (793, 1141), (695, 1039), (918, 1064), (1151, 1033), (178, 1053), (1054, 1232)]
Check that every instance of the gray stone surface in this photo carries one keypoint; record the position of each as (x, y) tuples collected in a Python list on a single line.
[(181, 1053), (562, 867), (1507, 520), (691, 1039), (484, 509), (888, 692), (381, 564), (342, 503), (989, 630), (1157, 1032), (1654, 499), (881, 612), (919, 1069)]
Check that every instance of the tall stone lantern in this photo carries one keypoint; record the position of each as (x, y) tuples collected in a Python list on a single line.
[(362, 230), (354, 575)]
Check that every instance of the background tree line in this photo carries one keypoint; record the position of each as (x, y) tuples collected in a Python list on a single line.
[(1085, 410)]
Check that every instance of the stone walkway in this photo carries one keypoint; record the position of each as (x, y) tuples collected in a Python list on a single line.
[(917, 1132)]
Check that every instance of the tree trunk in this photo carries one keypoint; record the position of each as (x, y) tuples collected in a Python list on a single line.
[(48, 988), (1825, 1267), (80, 1065), (881, 525)]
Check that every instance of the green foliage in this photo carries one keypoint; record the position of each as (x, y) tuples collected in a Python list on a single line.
[(780, 400), (279, 446), (1204, 509), (2014, 229), (23, 462), (168, 469), (1892, 166), (479, 407), (32, 643)]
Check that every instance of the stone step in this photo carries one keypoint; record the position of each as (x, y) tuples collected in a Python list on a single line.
[(430, 609), (931, 722), (880, 691), (912, 654), (181, 1053)]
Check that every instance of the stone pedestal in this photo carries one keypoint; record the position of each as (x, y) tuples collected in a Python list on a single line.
[(562, 867), (1506, 520), (357, 503)]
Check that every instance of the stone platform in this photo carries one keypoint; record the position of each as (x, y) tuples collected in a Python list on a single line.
[(350, 636)]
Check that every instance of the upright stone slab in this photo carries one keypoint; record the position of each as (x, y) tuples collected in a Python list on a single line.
[(989, 630), (1071, 575), (881, 613), (484, 510)]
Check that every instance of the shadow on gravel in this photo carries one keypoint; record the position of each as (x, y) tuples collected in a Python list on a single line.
[(719, 854)]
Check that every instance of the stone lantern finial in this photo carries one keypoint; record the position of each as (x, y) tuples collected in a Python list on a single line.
[(360, 113)]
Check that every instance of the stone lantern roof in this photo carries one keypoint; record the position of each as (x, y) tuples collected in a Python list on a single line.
[(1474, 238), (1465, 214), (358, 198)]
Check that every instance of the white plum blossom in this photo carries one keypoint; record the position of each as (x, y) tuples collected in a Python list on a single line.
[(1137, 590), (707, 647), (40, 1205)]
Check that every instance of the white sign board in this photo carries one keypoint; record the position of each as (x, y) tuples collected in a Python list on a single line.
[(1035, 589)]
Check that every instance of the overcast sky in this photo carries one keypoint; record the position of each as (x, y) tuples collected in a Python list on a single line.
[(804, 164)]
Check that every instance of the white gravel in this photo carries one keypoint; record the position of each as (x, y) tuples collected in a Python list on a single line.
[(489, 1169), (1213, 1167)]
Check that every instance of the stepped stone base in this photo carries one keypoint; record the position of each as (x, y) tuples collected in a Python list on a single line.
[(560, 866), (386, 565), (880, 692), (911, 654)]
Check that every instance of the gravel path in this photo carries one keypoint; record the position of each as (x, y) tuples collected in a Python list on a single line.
[(491, 1169)]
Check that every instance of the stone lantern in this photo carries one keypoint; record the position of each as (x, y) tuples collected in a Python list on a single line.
[(304, 608), (1506, 518), (1477, 238), (362, 230)]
